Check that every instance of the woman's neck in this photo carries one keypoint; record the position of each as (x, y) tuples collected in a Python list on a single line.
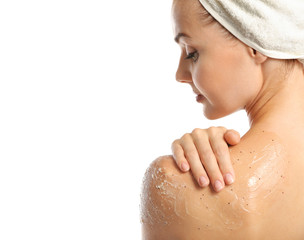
[(280, 104)]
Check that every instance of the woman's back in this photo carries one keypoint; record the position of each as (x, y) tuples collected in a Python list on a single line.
[(269, 169), (265, 202)]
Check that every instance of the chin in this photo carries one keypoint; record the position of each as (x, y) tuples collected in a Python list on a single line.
[(212, 114), (211, 117)]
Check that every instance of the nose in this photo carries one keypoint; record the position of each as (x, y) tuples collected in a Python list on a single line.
[(183, 75)]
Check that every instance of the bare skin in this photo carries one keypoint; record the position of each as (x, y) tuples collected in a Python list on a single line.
[(266, 201), (206, 151)]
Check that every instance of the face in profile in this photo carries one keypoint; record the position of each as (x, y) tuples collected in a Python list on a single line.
[(220, 68)]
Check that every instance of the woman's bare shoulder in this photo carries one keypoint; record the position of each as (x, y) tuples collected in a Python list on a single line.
[(171, 198), (173, 206)]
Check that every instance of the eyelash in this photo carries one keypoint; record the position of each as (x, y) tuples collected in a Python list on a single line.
[(192, 55)]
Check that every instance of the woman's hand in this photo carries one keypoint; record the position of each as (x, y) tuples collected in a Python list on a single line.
[(206, 151)]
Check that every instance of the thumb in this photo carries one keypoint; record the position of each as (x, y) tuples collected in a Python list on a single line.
[(232, 137)]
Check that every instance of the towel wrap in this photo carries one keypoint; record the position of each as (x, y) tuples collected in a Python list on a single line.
[(272, 27)]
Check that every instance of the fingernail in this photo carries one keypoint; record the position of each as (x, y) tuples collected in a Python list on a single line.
[(218, 185), (185, 166), (203, 181), (229, 178)]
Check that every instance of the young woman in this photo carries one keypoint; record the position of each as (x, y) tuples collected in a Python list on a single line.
[(246, 70)]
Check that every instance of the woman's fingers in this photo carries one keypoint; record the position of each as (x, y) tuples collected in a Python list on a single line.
[(208, 159), (222, 154), (206, 153), (232, 137), (193, 158), (179, 157)]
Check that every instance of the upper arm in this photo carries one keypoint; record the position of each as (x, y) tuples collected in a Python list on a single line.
[(158, 197), (173, 206)]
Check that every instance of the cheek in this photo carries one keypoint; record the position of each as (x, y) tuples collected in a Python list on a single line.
[(225, 79), (210, 76)]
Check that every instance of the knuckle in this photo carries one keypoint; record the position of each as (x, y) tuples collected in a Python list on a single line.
[(196, 131), (199, 134), (186, 136), (174, 143), (208, 155), (220, 152), (216, 130), (223, 128), (221, 149), (212, 131), (212, 128)]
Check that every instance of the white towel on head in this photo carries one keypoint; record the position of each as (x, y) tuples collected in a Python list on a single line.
[(272, 27)]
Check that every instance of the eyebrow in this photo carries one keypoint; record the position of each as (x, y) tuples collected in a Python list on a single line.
[(179, 35)]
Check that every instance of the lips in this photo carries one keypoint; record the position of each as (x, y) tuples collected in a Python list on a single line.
[(199, 98)]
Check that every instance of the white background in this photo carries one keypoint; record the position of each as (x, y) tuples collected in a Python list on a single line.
[(88, 99)]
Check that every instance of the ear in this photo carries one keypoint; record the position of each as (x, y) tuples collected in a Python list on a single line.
[(257, 56)]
